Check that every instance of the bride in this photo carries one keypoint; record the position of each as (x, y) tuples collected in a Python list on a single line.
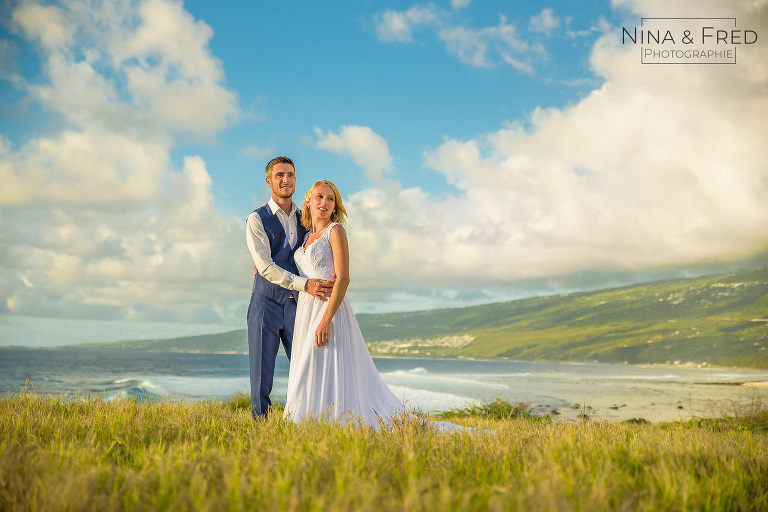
[(331, 372)]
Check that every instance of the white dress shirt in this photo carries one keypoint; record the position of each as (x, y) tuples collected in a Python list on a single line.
[(258, 244)]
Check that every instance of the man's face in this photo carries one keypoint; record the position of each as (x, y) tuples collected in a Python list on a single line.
[(282, 181)]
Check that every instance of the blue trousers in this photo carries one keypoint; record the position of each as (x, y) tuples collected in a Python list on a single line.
[(269, 323)]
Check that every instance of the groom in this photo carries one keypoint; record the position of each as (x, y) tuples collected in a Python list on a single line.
[(273, 233)]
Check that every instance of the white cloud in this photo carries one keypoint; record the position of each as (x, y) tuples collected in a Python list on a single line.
[(366, 148), (460, 4), (88, 168), (129, 71), (48, 24), (661, 167), (398, 25), (168, 31), (156, 257), (546, 22), (96, 220), (484, 47)]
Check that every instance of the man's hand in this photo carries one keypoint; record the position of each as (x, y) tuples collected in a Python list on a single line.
[(319, 288)]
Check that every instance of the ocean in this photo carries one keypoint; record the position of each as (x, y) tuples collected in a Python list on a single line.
[(564, 390)]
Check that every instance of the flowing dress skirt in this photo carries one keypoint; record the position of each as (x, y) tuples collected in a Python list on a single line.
[(338, 380)]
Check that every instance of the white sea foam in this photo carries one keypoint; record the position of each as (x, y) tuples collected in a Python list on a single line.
[(427, 401), (635, 377), (728, 376), (194, 387), (508, 375), (409, 377)]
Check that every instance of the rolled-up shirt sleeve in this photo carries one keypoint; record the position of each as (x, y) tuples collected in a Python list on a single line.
[(258, 244)]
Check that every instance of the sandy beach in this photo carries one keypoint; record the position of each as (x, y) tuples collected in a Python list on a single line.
[(757, 384)]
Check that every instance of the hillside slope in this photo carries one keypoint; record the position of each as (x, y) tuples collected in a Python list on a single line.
[(721, 320)]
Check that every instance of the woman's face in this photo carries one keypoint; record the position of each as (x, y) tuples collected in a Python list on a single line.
[(322, 202)]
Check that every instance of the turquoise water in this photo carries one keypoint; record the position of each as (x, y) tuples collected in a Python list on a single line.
[(607, 392)]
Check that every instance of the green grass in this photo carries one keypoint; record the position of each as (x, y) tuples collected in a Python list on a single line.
[(84, 453), (498, 409)]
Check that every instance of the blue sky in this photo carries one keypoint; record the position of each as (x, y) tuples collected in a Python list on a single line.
[(486, 150), (297, 69)]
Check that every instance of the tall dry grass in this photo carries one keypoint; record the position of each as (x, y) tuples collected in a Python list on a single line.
[(80, 453)]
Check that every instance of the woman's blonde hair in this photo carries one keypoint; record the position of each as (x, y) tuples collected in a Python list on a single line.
[(338, 215)]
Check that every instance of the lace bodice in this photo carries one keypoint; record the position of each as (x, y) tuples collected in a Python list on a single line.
[(316, 261)]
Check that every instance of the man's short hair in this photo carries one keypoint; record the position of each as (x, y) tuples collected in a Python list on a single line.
[(279, 160)]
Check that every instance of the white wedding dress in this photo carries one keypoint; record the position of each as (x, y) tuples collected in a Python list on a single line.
[(339, 380)]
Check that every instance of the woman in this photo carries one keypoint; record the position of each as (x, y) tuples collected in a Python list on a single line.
[(332, 373)]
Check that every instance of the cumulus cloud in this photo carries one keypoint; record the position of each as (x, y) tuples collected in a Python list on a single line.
[(484, 47), (96, 219), (128, 71), (366, 148), (661, 167)]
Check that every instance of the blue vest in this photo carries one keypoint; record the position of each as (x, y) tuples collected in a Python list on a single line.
[(282, 253)]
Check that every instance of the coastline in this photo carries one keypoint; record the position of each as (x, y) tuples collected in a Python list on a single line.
[(762, 384), (385, 355)]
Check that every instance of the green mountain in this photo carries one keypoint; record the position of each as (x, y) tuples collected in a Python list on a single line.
[(717, 320)]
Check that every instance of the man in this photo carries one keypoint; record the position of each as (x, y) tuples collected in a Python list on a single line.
[(273, 233)]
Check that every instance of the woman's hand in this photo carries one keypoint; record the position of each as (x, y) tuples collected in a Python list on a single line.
[(340, 250), (322, 332)]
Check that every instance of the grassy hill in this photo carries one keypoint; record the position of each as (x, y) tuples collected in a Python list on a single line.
[(720, 320)]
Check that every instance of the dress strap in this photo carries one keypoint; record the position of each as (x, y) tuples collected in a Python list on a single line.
[(327, 232)]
